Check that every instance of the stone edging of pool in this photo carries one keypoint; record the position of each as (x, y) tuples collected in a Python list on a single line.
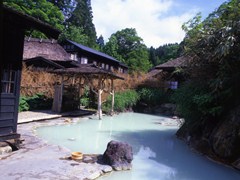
[(37, 159)]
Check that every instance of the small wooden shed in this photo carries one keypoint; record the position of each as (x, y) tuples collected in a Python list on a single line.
[(13, 25)]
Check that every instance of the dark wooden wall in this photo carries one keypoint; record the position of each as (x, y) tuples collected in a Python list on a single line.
[(12, 49)]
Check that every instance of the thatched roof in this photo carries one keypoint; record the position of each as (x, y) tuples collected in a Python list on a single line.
[(154, 72), (28, 22), (169, 66), (86, 69), (178, 62), (48, 49)]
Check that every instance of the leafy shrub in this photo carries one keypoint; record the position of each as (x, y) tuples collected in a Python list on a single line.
[(85, 100), (195, 102), (152, 96), (23, 105), (123, 100), (37, 102)]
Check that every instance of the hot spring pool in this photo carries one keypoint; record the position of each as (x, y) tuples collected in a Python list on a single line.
[(158, 154)]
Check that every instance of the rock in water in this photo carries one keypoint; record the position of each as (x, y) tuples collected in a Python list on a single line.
[(118, 155)]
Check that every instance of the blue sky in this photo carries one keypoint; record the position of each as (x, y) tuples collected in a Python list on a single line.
[(157, 22)]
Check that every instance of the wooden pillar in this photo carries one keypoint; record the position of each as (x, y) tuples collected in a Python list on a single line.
[(112, 93), (100, 103), (100, 90), (58, 94)]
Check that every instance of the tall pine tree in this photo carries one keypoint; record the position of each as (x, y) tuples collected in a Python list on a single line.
[(82, 17)]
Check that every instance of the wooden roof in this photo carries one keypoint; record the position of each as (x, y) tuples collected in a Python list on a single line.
[(42, 63), (28, 22), (178, 62), (86, 69), (169, 66), (48, 49)]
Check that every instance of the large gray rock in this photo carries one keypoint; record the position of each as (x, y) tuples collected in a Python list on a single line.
[(118, 155)]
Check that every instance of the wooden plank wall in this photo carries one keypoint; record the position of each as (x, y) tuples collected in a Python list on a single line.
[(7, 114)]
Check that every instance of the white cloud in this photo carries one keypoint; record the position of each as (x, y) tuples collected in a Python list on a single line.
[(148, 17)]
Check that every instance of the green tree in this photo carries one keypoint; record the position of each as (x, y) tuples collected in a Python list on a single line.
[(82, 17), (40, 9), (128, 47), (100, 42), (66, 6), (164, 53), (214, 45), (74, 33)]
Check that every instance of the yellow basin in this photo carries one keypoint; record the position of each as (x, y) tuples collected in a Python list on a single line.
[(77, 155)]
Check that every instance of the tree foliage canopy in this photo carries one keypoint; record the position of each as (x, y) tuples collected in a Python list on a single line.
[(214, 45), (40, 9), (128, 47), (164, 53), (82, 17)]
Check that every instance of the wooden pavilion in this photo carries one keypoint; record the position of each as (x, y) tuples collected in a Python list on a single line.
[(85, 74)]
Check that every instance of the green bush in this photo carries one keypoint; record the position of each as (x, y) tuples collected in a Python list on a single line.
[(84, 99), (153, 96), (37, 102), (195, 102), (23, 105), (123, 101)]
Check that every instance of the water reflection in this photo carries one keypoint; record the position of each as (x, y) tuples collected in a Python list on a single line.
[(158, 154), (149, 167)]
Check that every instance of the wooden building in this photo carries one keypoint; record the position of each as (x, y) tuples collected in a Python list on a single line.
[(46, 54), (166, 72), (86, 55), (73, 75), (13, 25)]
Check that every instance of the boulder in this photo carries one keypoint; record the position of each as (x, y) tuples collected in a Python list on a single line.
[(119, 155)]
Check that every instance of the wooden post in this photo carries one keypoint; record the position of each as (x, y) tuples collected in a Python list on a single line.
[(100, 103), (100, 90), (112, 93), (57, 101)]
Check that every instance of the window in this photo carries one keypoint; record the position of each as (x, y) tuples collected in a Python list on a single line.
[(120, 70), (84, 60), (107, 67), (103, 65), (8, 81), (172, 84), (74, 57)]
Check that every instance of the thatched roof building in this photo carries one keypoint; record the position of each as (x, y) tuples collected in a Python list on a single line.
[(169, 66), (174, 63), (44, 53), (48, 49)]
